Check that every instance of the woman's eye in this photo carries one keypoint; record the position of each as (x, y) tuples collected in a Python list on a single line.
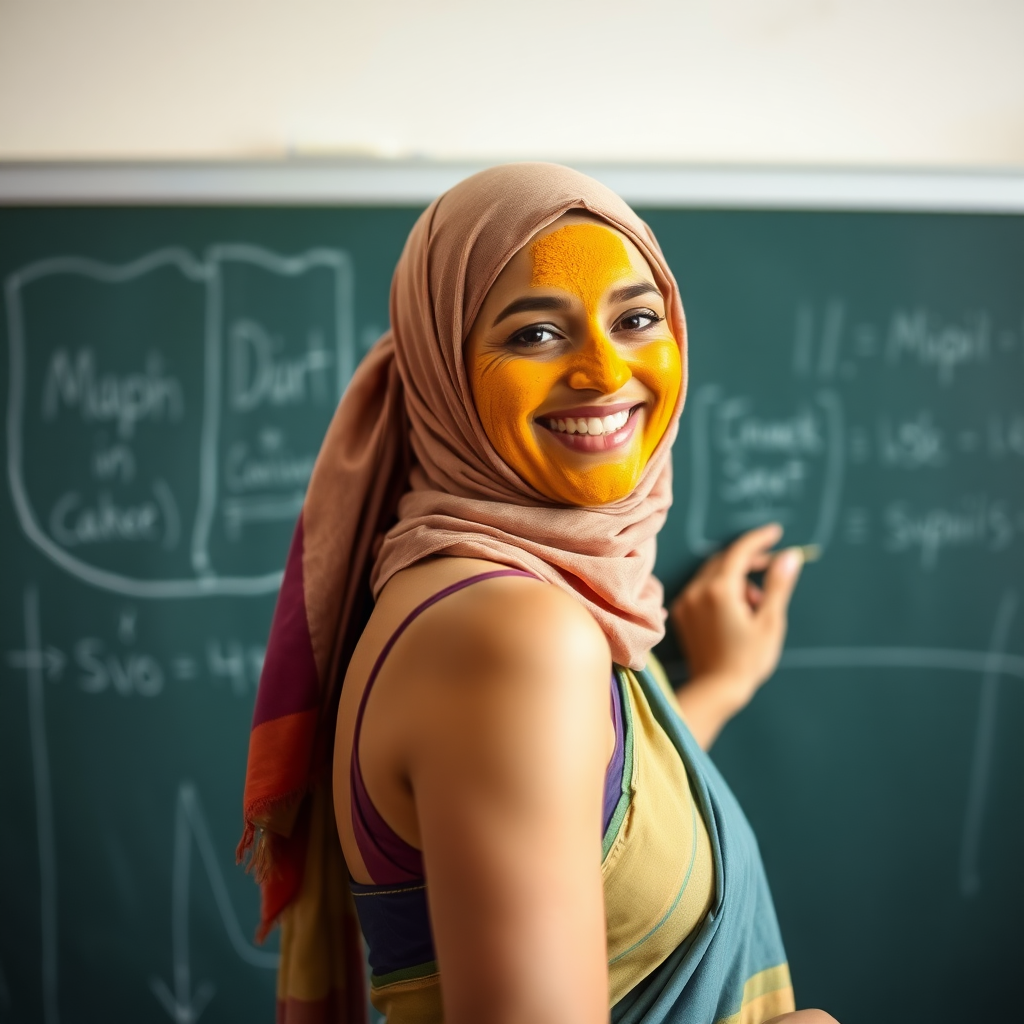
[(639, 320), (530, 337)]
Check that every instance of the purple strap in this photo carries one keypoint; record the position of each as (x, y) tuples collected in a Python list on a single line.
[(389, 859), (617, 765)]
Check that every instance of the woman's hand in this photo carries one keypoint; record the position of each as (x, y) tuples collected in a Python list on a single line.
[(731, 630)]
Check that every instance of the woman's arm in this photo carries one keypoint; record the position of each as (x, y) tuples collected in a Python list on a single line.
[(731, 630), (512, 734)]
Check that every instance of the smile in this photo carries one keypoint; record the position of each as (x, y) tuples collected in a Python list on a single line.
[(584, 431)]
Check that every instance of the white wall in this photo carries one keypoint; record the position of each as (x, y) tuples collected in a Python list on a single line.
[(884, 82)]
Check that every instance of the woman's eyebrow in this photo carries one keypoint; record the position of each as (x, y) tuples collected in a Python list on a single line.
[(530, 304), (634, 291)]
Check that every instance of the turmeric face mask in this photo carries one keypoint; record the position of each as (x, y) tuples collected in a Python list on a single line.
[(575, 373)]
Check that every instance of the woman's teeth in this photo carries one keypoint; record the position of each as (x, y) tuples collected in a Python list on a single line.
[(591, 424)]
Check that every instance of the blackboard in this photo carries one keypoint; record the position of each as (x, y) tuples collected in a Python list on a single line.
[(167, 376)]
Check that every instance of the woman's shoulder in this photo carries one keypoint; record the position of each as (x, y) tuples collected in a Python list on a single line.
[(505, 665), (496, 620)]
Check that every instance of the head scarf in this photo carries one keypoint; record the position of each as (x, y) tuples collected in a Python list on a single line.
[(405, 472)]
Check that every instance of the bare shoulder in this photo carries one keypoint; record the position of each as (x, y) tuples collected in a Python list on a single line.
[(504, 662), (515, 624), (500, 658), (505, 623), (501, 686)]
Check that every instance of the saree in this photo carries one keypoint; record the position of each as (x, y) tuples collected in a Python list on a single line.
[(733, 968)]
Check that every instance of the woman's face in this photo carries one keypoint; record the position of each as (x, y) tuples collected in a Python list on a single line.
[(575, 373)]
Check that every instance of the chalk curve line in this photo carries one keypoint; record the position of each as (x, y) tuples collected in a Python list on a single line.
[(211, 586)]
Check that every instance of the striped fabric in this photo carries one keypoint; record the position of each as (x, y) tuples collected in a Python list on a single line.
[(290, 832)]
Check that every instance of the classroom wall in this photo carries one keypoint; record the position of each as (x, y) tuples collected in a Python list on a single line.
[(883, 82)]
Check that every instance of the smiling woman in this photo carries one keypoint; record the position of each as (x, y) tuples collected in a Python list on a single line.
[(504, 786), (575, 404)]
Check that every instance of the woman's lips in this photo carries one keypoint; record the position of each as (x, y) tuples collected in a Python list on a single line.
[(592, 428)]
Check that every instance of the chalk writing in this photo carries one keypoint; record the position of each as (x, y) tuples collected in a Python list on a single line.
[(125, 400), (105, 666), (266, 464), (1006, 435), (750, 465), (911, 443), (73, 522), (977, 521), (167, 465), (113, 462), (255, 376), (752, 460), (945, 347), (121, 411), (131, 675), (183, 1005)]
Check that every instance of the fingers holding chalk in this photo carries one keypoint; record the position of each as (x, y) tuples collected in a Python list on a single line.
[(787, 562), (808, 552)]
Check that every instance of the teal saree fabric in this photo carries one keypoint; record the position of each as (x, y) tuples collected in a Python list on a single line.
[(733, 968)]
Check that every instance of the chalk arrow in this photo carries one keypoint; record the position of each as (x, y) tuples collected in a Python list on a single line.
[(180, 1007), (50, 661)]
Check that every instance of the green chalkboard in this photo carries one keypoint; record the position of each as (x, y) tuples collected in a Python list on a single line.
[(168, 374)]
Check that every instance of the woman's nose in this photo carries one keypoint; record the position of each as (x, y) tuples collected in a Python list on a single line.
[(599, 367)]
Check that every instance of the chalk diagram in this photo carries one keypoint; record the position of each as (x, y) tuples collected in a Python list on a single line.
[(163, 419), (786, 458), (179, 469), (747, 470), (183, 1004)]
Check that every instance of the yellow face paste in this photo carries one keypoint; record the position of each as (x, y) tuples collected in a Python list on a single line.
[(594, 362)]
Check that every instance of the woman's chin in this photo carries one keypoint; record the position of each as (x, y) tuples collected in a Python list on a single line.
[(593, 485)]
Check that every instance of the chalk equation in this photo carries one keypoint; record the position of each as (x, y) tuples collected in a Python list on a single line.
[(164, 411), (118, 664), (866, 444)]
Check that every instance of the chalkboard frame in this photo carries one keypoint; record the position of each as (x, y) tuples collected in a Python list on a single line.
[(411, 182)]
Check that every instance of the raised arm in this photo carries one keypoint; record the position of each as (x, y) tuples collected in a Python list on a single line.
[(506, 769)]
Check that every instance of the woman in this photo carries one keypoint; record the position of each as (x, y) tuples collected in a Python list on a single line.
[(495, 476)]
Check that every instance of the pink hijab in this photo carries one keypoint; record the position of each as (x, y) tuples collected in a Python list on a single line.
[(406, 471)]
